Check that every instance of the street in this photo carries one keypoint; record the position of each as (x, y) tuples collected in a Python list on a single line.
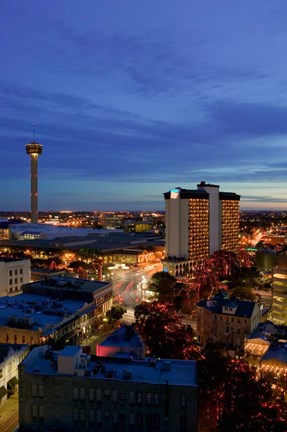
[(9, 414), (130, 285)]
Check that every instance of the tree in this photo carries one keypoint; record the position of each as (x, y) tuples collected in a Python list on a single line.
[(163, 332), (88, 254), (164, 286), (115, 313), (234, 398), (242, 293)]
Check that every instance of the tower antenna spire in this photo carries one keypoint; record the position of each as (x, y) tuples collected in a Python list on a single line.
[(34, 131)]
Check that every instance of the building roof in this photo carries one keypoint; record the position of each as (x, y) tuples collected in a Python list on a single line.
[(219, 303), (50, 303), (70, 350), (152, 371), (229, 196), (14, 260), (64, 286), (200, 193), (276, 352), (34, 311), (187, 193), (270, 331), (125, 336)]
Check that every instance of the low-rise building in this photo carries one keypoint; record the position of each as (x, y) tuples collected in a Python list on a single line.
[(266, 348), (123, 342), (54, 309), (13, 274), (226, 322), (69, 391)]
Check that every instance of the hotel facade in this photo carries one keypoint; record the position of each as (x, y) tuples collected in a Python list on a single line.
[(198, 223)]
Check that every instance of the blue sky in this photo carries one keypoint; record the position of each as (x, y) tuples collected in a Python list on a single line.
[(133, 98)]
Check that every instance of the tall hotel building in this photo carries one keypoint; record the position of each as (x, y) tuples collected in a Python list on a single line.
[(279, 290), (198, 223)]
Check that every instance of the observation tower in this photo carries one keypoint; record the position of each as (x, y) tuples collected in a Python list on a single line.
[(34, 149)]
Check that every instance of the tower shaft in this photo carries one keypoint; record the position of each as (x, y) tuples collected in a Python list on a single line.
[(34, 149), (34, 188)]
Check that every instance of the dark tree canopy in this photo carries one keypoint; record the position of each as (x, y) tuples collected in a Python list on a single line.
[(115, 313), (164, 286), (235, 398), (163, 332), (242, 293)]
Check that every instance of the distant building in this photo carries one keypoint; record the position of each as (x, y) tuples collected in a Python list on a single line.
[(37, 231), (226, 322), (10, 358), (123, 342), (112, 220), (4, 229), (58, 308), (198, 223), (279, 290), (39, 273), (275, 239), (69, 391), (138, 226), (13, 274)]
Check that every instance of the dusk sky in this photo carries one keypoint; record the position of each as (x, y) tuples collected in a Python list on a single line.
[(132, 98)]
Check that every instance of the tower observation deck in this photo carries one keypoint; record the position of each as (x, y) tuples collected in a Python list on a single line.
[(34, 149)]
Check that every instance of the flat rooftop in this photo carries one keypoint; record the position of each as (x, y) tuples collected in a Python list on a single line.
[(37, 311), (63, 283), (15, 260), (175, 372)]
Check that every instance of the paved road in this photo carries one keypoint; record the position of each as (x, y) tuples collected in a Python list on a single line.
[(9, 415), (129, 285)]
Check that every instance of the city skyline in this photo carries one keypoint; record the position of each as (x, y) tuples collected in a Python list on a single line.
[(132, 99)]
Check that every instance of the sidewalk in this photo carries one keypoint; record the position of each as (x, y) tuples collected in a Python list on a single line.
[(8, 409)]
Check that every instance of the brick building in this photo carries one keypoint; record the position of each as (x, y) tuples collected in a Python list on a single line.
[(69, 391), (226, 322)]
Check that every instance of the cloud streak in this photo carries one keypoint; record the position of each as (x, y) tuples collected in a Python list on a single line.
[(152, 98)]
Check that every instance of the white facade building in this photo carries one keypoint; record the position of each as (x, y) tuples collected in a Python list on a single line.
[(10, 358), (13, 274)]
